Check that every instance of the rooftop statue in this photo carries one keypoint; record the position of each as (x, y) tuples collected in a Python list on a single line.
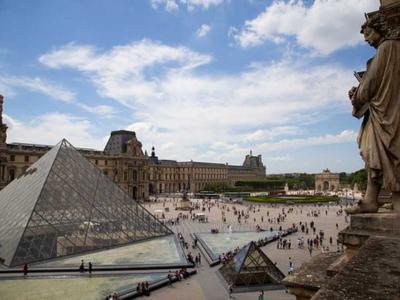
[(377, 101)]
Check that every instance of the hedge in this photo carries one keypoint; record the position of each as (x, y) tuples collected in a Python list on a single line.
[(292, 199)]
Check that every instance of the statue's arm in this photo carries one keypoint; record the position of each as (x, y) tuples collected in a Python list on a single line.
[(370, 82)]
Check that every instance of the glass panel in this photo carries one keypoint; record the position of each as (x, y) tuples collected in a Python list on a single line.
[(73, 287), (17, 201), (224, 242), (73, 208), (164, 250), (251, 266)]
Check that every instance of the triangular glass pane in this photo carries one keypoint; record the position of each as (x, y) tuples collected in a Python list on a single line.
[(250, 266), (65, 205), (17, 201)]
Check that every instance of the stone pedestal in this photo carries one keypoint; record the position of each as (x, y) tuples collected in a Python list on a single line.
[(311, 276), (368, 240), (184, 205), (373, 273), (363, 226)]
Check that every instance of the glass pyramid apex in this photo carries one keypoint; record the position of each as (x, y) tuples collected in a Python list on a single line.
[(64, 205), (249, 267)]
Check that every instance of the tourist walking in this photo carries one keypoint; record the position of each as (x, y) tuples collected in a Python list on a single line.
[(261, 295), (25, 269), (90, 267), (230, 290), (291, 268), (82, 266)]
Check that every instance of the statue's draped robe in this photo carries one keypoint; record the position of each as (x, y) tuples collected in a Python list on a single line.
[(379, 137)]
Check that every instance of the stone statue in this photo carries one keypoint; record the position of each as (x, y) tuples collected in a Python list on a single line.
[(377, 100)]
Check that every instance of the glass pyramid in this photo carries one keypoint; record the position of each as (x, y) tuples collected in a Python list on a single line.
[(249, 267), (63, 205)]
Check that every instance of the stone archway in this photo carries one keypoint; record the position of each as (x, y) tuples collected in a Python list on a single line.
[(327, 181)]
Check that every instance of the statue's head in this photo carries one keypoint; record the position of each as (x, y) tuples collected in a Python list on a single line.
[(373, 31)]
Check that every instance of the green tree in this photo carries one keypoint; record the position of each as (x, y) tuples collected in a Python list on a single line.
[(360, 177)]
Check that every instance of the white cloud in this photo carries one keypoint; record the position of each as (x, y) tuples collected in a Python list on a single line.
[(280, 158), (50, 128), (10, 84), (173, 5), (183, 113), (203, 30), (121, 72), (53, 90), (101, 110), (170, 5), (323, 27), (346, 136), (142, 127), (269, 134), (205, 4)]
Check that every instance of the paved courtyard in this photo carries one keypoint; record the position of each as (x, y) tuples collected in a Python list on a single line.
[(207, 284)]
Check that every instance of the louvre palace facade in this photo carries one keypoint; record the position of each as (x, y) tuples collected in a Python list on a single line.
[(125, 162)]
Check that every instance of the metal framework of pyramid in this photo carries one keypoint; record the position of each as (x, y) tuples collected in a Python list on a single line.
[(64, 205), (250, 267)]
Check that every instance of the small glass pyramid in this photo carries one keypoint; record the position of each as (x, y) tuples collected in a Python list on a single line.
[(63, 205), (249, 267)]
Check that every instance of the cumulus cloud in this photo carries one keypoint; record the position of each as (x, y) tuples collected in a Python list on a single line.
[(346, 136), (50, 128), (10, 84), (173, 5), (280, 158), (122, 72), (170, 5), (35, 84), (205, 4), (323, 27), (183, 112), (101, 110), (203, 30), (271, 133)]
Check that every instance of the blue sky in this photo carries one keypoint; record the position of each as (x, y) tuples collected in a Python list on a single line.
[(206, 80)]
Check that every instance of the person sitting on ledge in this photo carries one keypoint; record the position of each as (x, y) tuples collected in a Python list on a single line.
[(138, 289), (177, 275), (146, 289), (169, 278)]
